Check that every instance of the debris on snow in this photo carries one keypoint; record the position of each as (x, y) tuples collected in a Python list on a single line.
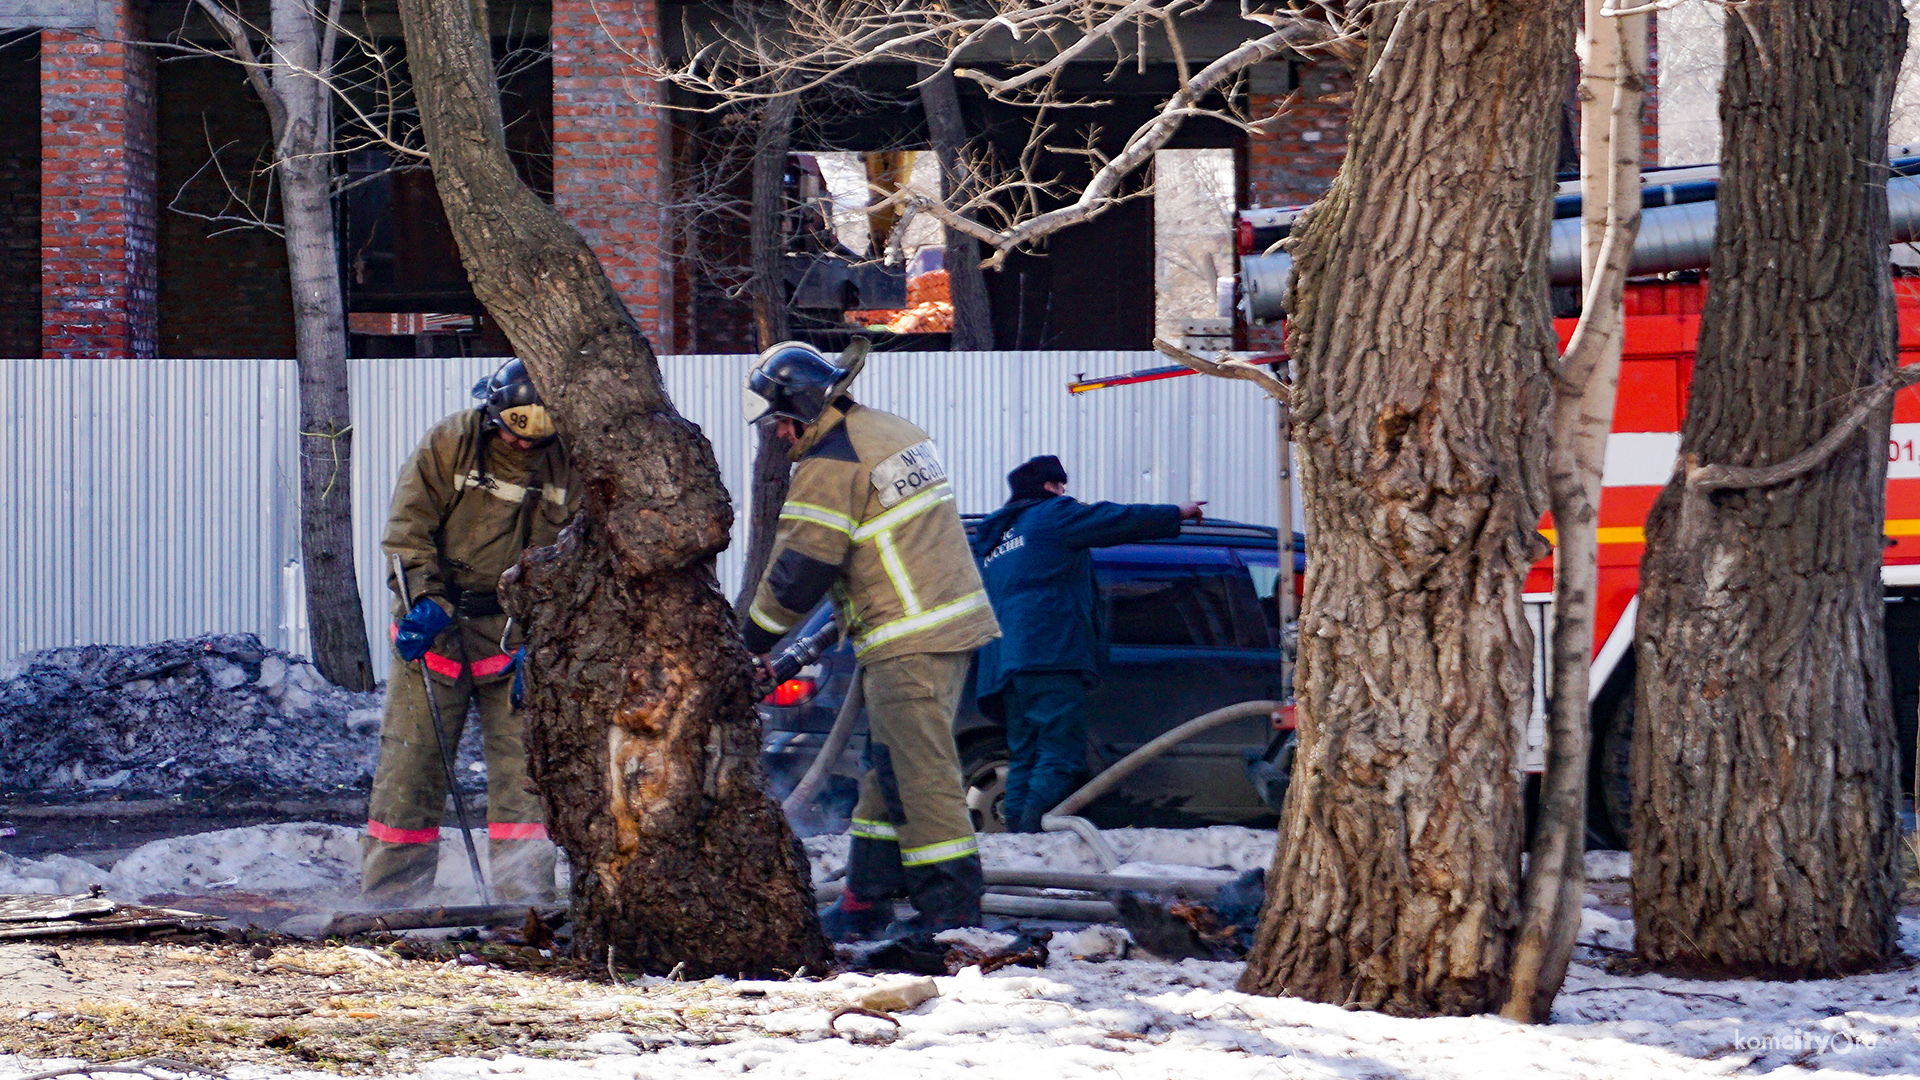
[(897, 995), (1096, 944), (200, 714)]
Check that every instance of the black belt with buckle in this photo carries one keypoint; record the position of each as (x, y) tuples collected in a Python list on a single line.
[(477, 605)]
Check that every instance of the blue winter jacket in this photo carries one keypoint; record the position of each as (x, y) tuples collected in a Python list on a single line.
[(1034, 556)]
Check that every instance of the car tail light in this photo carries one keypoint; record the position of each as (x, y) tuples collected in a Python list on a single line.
[(1283, 718), (791, 692)]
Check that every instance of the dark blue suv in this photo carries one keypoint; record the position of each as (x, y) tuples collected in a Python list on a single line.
[(1192, 625)]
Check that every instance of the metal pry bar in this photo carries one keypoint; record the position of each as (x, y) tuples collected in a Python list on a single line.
[(447, 760)]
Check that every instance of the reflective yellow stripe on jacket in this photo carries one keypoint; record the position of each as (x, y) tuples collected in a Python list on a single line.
[(879, 532)]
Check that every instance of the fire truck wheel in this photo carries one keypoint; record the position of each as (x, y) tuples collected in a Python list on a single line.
[(1616, 793)]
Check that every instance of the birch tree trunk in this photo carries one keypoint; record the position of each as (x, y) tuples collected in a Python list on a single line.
[(1422, 342), (642, 735), (1764, 835), (303, 158), (1613, 82)]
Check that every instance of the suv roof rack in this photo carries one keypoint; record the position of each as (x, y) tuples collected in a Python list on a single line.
[(1210, 527)]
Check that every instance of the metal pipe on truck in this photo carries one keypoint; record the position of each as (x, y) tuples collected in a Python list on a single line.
[(1675, 237)]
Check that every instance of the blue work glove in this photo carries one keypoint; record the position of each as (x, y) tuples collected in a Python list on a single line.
[(418, 629), (519, 688)]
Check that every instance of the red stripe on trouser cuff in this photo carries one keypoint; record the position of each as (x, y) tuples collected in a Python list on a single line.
[(492, 665), (391, 835), (439, 665), (516, 830)]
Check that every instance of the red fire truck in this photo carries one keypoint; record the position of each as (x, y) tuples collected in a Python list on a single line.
[(1662, 326)]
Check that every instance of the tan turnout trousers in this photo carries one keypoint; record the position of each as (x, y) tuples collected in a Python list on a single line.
[(402, 845), (911, 799)]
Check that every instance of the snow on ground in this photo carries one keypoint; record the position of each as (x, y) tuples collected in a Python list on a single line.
[(1145, 1020), (1130, 1018)]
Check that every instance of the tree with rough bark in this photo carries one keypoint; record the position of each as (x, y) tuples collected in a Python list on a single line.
[(291, 74), (1764, 834), (966, 281), (641, 729), (1420, 408), (766, 232)]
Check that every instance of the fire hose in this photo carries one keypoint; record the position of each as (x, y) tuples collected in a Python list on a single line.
[(1063, 818), (786, 666)]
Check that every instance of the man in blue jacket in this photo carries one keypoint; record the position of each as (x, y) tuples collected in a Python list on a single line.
[(1034, 556)]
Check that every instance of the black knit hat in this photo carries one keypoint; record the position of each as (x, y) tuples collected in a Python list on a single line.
[(1029, 480)]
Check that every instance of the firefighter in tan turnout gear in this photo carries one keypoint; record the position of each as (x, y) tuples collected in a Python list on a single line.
[(870, 518), (484, 484)]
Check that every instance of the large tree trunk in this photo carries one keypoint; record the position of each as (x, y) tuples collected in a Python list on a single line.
[(642, 734), (1421, 341), (1764, 836), (766, 235), (304, 161), (966, 280)]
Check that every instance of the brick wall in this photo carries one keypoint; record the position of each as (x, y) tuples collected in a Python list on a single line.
[(223, 291), (20, 199), (611, 153), (1296, 160), (97, 258), (1650, 104)]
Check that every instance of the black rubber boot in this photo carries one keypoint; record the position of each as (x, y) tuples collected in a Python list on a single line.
[(946, 895), (873, 880), (853, 919)]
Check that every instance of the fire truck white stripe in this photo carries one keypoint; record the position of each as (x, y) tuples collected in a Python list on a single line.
[(1645, 458), (1903, 452), (1641, 458)]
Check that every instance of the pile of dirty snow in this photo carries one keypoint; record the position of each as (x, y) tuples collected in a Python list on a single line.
[(199, 715)]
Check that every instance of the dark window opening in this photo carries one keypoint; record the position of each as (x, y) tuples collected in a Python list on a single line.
[(20, 196)]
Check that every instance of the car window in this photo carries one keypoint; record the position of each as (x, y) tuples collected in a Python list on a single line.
[(1182, 606), (1266, 583)]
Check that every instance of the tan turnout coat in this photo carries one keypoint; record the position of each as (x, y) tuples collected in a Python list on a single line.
[(457, 530), (870, 518)]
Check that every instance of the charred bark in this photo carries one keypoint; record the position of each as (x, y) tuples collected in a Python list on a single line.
[(767, 241), (1764, 835), (966, 281), (1421, 342), (642, 734)]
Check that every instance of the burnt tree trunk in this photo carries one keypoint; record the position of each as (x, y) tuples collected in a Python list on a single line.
[(766, 237), (1422, 342), (966, 281), (1764, 836), (641, 733)]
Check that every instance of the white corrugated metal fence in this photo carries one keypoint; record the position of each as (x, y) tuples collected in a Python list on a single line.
[(157, 498)]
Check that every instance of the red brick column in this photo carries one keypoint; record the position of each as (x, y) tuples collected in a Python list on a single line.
[(98, 263), (610, 151), (1294, 162)]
